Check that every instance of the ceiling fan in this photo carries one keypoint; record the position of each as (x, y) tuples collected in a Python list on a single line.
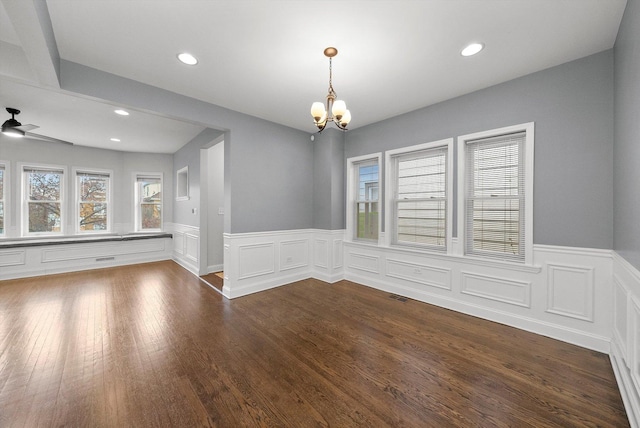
[(13, 128)]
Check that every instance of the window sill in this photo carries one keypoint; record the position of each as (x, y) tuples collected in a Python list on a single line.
[(74, 239), (449, 257)]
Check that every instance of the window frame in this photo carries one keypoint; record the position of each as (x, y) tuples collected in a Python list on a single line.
[(6, 196), (391, 180), (528, 164), (24, 205), (182, 184), (352, 195), (137, 205), (76, 190)]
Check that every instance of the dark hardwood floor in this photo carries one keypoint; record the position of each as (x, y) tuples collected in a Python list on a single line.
[(152, 345), (213, 280)]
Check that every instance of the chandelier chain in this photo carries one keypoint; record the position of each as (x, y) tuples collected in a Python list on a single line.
[(330, 75)]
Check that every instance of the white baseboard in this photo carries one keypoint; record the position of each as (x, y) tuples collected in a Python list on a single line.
[(185, 263), (215, 268), (257, 286), (629, 393)]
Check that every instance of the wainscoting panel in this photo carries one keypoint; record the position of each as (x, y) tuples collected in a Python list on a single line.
[(105, 249), (625, 346), (294, 254), (621, 314), (571, 291), (419, 273), (363, 262), (338, 254), (186, 246), (321, 253), (192, 247), (576, 281), (259, 261), (178, 243), (12, 257), (498, 289), (328, 255), (256, 260), (51, 259)]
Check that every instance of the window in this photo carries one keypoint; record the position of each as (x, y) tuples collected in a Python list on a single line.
[(363, 220), (93, 199), (182, 184), (498, 179), (420, 197), (148, 195), (43, 195), (367, 200), (3, 198)]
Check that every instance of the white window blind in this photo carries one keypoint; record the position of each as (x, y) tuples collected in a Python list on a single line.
[(421, 199), (366, 210), (495, 197)]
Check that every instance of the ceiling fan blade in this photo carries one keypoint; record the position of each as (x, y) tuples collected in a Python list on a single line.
[(45, 138), (27, 128)]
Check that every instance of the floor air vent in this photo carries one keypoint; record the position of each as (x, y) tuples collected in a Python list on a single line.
[(398, 298), (105, 259)]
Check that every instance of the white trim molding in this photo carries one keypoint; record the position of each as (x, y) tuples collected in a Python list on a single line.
[(625, 342), (566, 295), (36, 260), (186, 245), (259, 261)]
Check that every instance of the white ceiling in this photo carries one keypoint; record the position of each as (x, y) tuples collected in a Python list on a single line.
[(264, 57)]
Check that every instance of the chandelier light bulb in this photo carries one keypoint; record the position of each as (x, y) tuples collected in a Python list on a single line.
[(338, 109), (317, 111), (346, 118)]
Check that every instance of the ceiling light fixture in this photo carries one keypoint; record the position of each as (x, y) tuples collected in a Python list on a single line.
[(336, 110), (10, 126), (472, 49), (187, 58), (115, 140), (121, 112)]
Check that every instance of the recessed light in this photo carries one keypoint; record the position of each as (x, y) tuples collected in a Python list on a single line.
[(472, 49), (122, 112), (187, 58), (116, 140)]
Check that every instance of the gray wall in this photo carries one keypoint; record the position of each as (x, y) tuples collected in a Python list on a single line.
[(123, 165), (328, 180), (626, 159), (268, 184), (189, 155), (572, 107)]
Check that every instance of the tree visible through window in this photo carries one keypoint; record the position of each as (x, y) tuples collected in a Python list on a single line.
[(43, 194), (149, 202), (93, 201), (367, 201)]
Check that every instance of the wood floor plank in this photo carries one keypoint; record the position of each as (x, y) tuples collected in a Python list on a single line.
[(153, 345)]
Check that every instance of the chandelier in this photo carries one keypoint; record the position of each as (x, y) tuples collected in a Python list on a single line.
[(336, 110)]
